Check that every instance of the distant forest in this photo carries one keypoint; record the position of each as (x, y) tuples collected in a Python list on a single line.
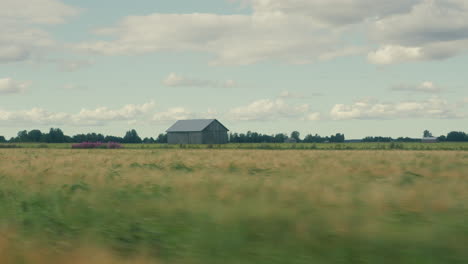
[(56, 135)]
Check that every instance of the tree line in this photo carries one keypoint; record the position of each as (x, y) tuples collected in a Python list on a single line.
[(56, 135), (454, 136), (254, 137)]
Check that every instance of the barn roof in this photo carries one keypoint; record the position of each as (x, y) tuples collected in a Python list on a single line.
[(192, 125)]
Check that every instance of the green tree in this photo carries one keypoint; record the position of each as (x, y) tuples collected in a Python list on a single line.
[(2, 139), (427, 133), (296, 135), (35, 135), (457, 136), (162, 138), (280, 138), (22, 136), (314, 139), (55, 136), (132, 137), (148, 140), (113, 139)]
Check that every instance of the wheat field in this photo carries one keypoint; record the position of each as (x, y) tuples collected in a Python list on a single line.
[(233, 206)]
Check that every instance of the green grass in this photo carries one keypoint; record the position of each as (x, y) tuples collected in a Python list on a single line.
[(234, 206)]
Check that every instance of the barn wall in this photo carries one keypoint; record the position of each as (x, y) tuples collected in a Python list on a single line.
[(195, 138), (177, 138), (215, 133), (184, 138)]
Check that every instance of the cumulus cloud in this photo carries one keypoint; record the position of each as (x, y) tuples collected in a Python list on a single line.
[(428, 21), (36, 11), (35, 116), (335, 12), (313, 117), (433, 29), (181, 113), (97, 116), (425, 87), (100, 116), (293, 31), (20, 34), (234, 39), (300, 31), (176, 80), (391, 54), (11, 53), (435, 108), (128, 112), (268, 109), (10, 86), (18, 42), (176, 113)]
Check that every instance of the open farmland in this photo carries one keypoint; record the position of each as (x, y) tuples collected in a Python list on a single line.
[(233, 206), (460, 146)]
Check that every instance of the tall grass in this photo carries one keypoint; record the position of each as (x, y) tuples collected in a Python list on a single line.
[(233, 206)]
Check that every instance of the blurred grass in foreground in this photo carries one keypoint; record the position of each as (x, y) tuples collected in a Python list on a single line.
[(233, 206)]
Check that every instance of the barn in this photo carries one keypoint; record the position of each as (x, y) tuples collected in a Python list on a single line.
[(197, 131), (429, 140)]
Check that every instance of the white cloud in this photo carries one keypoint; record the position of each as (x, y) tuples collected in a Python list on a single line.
[(425, 87), (428, 21), (128, 112), (18, 42), (172, 114), (10, 53), (35, 116), (433, 29), (234, 39), (181, 113), (10, 86), (394, 54), (176, 80), (20, 37), (267, 109), (141, 34), (435, 108), (299, 31), (36, 11), (98, 116), (314, 117), (336, 12)]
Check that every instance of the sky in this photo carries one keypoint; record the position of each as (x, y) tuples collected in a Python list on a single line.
[(358, 67)]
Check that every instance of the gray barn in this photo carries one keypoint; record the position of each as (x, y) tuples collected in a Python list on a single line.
[(197, 131), (429, 140)]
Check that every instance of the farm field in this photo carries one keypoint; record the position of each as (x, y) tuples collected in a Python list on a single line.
[(233, 205), (463, 146)]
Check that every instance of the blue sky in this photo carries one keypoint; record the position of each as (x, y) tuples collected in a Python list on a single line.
[(362, 67)]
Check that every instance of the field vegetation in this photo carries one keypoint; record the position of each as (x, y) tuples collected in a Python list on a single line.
[(461, 146), (233, 206)]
